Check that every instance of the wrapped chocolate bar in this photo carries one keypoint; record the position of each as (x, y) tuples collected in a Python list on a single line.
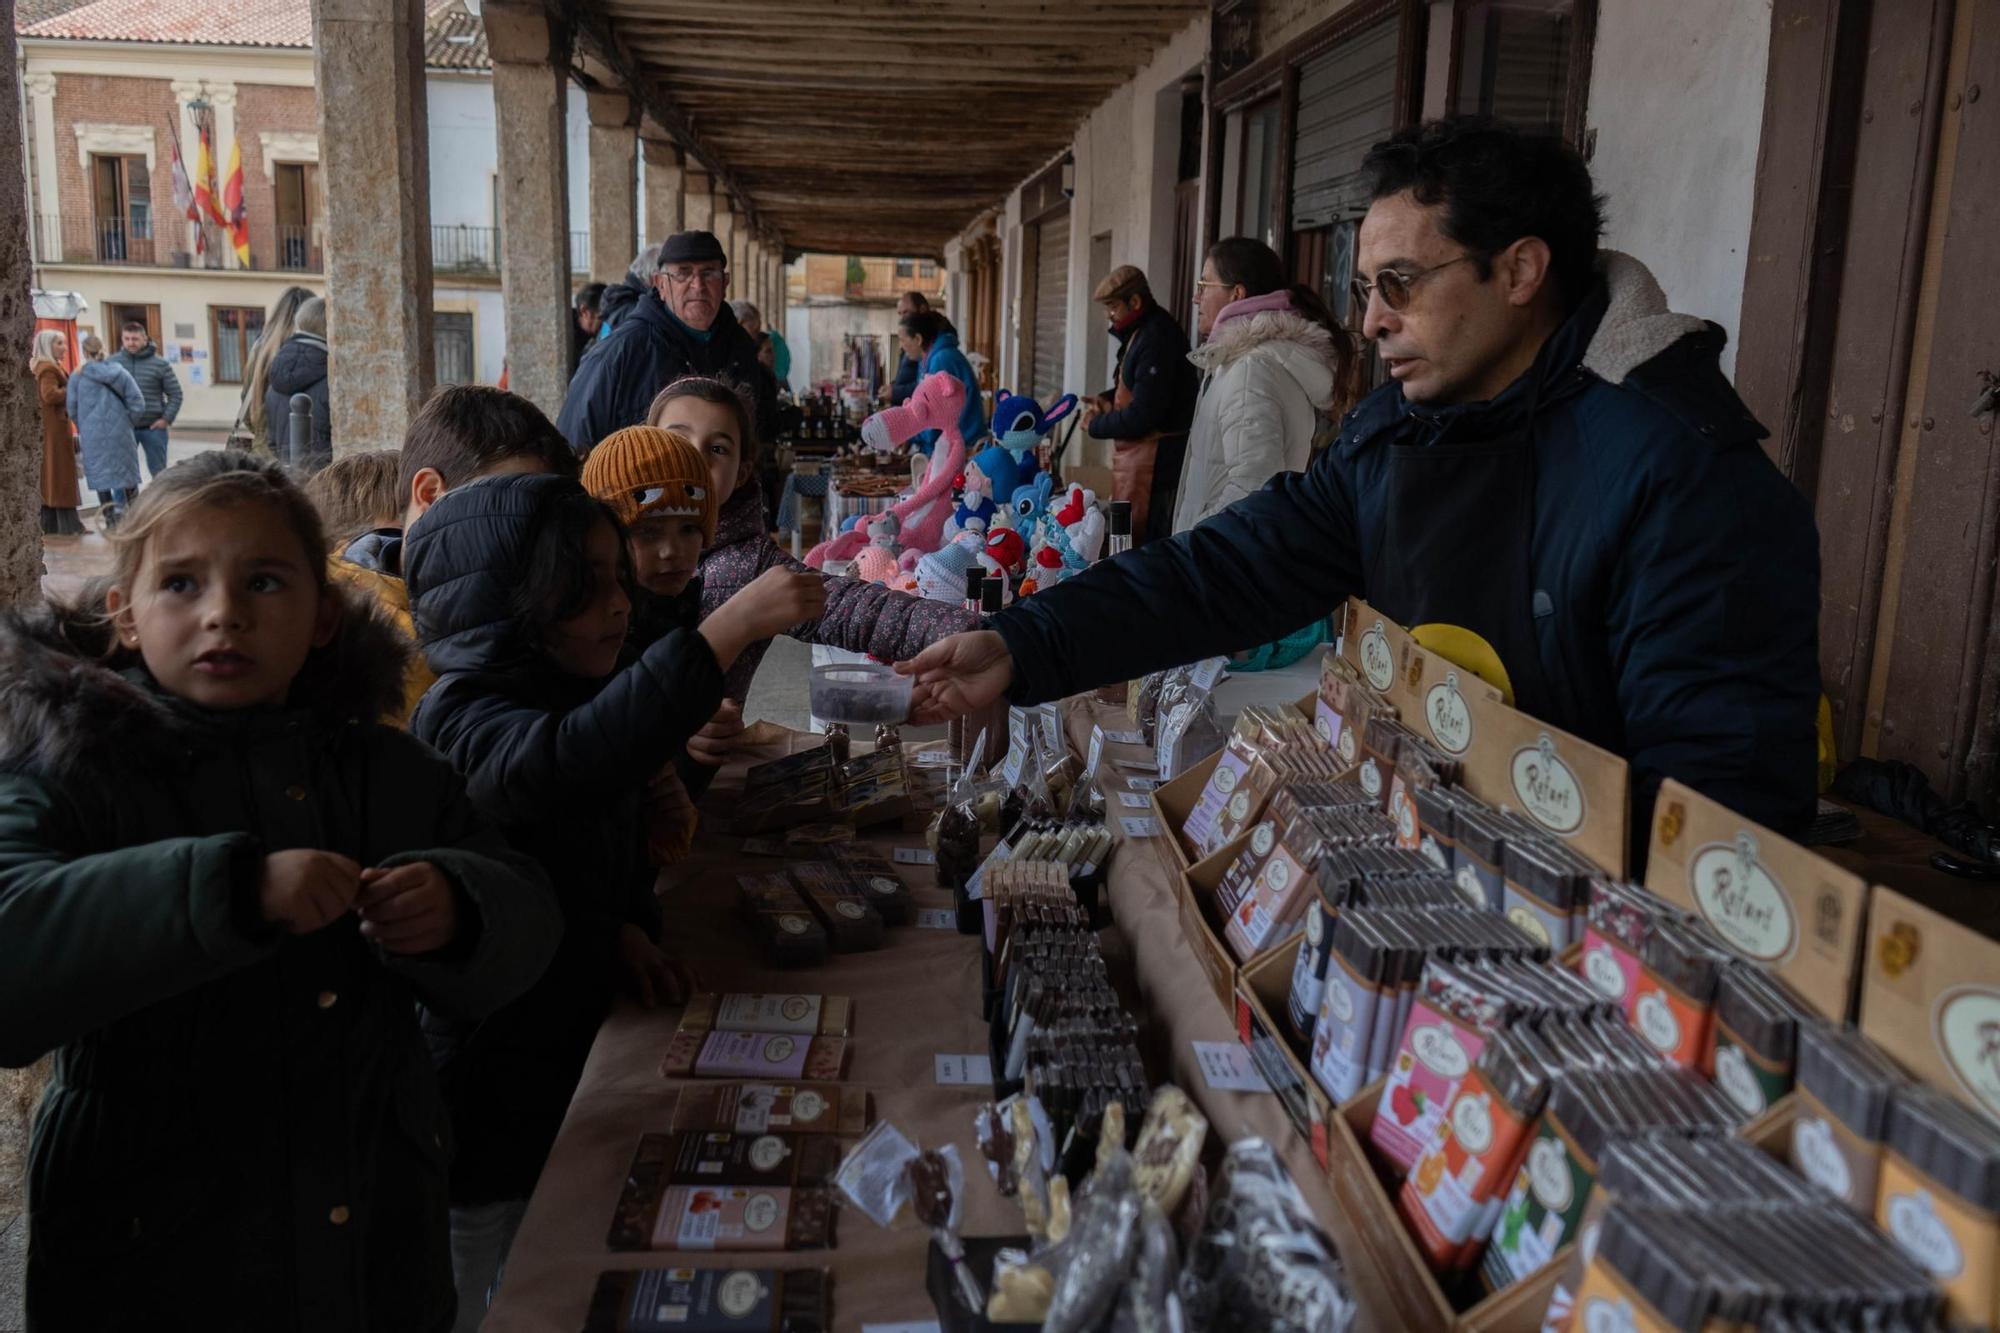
[(1483, 834), (1273, 903), (807, 772), (1675, 1000), (758, 1055), (724, 1157), (782, 920), (1437, 824), (806, 1015), (1545, 883), (1382, 740), (712, 1300), (851, 921), (1843, 1085), (875, 876), (655, 1214), (1939, 1198), (1754, 1038), (1617, 921), (760, 1108)]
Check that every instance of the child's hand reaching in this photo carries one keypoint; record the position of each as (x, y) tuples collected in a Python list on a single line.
[(304, 891), (652, 978), (408, 910), (773, 602)]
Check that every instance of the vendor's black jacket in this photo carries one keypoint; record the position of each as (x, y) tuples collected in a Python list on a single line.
[(243, 1131), (648, 350), (909, 369), (561, 764), (1153, 363), (1675, 572)]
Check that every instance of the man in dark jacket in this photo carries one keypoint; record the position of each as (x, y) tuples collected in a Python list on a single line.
[(1150, 405), (1558, 465), (158, 385), (682, 327), (909, 369)]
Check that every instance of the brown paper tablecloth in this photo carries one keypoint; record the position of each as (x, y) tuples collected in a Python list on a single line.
[(916, 998)]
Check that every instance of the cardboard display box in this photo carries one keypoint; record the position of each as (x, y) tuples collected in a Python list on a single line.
[(1201, 920), (1263, 988), (1930, 996), (1768, 898)]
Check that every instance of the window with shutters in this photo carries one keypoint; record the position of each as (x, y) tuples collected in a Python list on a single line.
[(1523, 61), (122, 208)]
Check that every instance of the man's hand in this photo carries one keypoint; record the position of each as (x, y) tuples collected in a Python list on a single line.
[(304, 891), (161, 424), (652, 978), (1095, 406), (714, 743), (408, 910), (954, 676)]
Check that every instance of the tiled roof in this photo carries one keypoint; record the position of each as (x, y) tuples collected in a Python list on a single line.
[(453, 39)]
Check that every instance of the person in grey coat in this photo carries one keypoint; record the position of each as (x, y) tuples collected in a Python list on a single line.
[(158, 385), (103, 400)]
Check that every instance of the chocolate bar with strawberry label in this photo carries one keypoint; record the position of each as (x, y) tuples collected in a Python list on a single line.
[(654, 1214)]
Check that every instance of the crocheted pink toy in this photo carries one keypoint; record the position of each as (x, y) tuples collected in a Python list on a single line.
[(936, 404)]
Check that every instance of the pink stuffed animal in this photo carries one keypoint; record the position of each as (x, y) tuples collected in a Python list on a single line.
[(936, 405)]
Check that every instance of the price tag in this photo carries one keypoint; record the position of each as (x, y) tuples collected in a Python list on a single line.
[(1132, 800), (1052, 729), (1225, 1066), (937, 918), (931, 759), (1139, 765), (964, 1070), (1142, 784), (915, 856), (1208, 672), (1139, 826), (1096, 750), (1125, 737)]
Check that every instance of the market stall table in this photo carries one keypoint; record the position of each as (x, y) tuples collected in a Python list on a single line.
[(917, 998)]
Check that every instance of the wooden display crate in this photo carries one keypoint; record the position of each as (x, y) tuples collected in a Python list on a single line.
[(1263, 989)]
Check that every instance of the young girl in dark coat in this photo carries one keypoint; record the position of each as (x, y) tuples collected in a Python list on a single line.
[(521, 588), (224, 887)]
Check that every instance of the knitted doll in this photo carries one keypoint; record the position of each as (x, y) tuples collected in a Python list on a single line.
[(936, 404), (975, 502), (877, 562), (1019, 425)]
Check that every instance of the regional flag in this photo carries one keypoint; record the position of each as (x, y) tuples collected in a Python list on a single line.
[(232, 204), (204, 179)]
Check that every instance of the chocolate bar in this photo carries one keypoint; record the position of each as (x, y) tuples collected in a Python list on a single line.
[(769, 1055), (780, 916), (757, 1108)]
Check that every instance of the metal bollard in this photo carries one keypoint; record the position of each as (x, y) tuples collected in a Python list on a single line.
[(298, 434)]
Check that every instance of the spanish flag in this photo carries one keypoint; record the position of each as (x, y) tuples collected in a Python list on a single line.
[(232, 204), (204, 177)]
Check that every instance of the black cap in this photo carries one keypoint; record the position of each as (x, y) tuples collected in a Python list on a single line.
[(1121, 518), (989, 595), (692, 247), (974, 577)]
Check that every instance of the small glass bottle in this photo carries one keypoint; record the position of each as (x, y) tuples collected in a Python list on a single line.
[(1120, 529)]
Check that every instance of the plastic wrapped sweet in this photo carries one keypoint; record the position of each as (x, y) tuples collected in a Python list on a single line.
[(1098, 1253), (1262, 1263)]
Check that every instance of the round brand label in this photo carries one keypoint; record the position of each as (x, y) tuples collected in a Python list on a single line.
[(1239, 805), (1278, 874), (1734, 1077), (1738, 897), (1603, 1316), (850, 909), (1601, 970), (1472, 1122), (1225, 779), (767, 1152), (795, 1007), (760, 1213), (1469, 887), (1324, 726), (779, 1049), (1450, 721), (1654, 1018), (1967, 1031), (1406, 820), (1912, 1219), (1336, 1003), (1371, 777), (1819, 1157), (885, 887), (1433, 853), (1440, 1051), (1315, 932), (794, 925), (1546, 787), (807, 1105), (1524, 920), (1548, 1175), (1345, 748), (738, 1293), (1263, 838), (1376, 663)]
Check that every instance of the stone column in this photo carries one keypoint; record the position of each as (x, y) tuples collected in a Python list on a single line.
[(663, 188), (375, 156), (723, 223), (530, 66), (47, 205), (614, 185), (698, 205)]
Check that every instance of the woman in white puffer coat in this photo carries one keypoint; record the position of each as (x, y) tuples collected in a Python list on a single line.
[(1273, 366)]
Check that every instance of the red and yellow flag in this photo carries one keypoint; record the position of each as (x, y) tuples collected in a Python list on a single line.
[(204, 178), (232, 204)]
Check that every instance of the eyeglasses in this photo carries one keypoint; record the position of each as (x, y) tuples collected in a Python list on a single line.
[(1204, 282), (681, 277), (1394, 286)]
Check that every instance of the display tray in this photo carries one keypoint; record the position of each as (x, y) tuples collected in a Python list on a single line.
[(979, 1254)]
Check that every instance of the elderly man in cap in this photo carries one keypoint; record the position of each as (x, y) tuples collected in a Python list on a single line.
[(1150, 405), (683, 326)]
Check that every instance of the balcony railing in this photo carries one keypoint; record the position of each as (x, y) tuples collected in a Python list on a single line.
[(476, 250), (143, 242)]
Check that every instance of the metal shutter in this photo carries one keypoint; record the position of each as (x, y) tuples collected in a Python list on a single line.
[(1051, 304), (1346, 103)]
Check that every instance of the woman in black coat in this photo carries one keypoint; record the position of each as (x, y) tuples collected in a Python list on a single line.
[(300, 367)]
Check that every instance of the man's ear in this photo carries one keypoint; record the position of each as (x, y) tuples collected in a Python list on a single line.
[(425, 488), (1525, 266)]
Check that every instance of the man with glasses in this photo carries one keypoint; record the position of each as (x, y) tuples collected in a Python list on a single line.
[(683, 326), (1557, 466)]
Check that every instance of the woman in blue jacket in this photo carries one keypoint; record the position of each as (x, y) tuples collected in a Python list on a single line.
[(928, 336)]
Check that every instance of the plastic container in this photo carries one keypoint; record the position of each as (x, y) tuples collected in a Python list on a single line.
[(860, 693)]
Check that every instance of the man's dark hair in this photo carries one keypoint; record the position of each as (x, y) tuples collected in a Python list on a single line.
[(131, 326), (465, 430), (1497, 183), (923, 325), (589, 295), (918, 300)]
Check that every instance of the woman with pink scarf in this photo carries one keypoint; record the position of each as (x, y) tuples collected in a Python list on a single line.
[(1273, 367)]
